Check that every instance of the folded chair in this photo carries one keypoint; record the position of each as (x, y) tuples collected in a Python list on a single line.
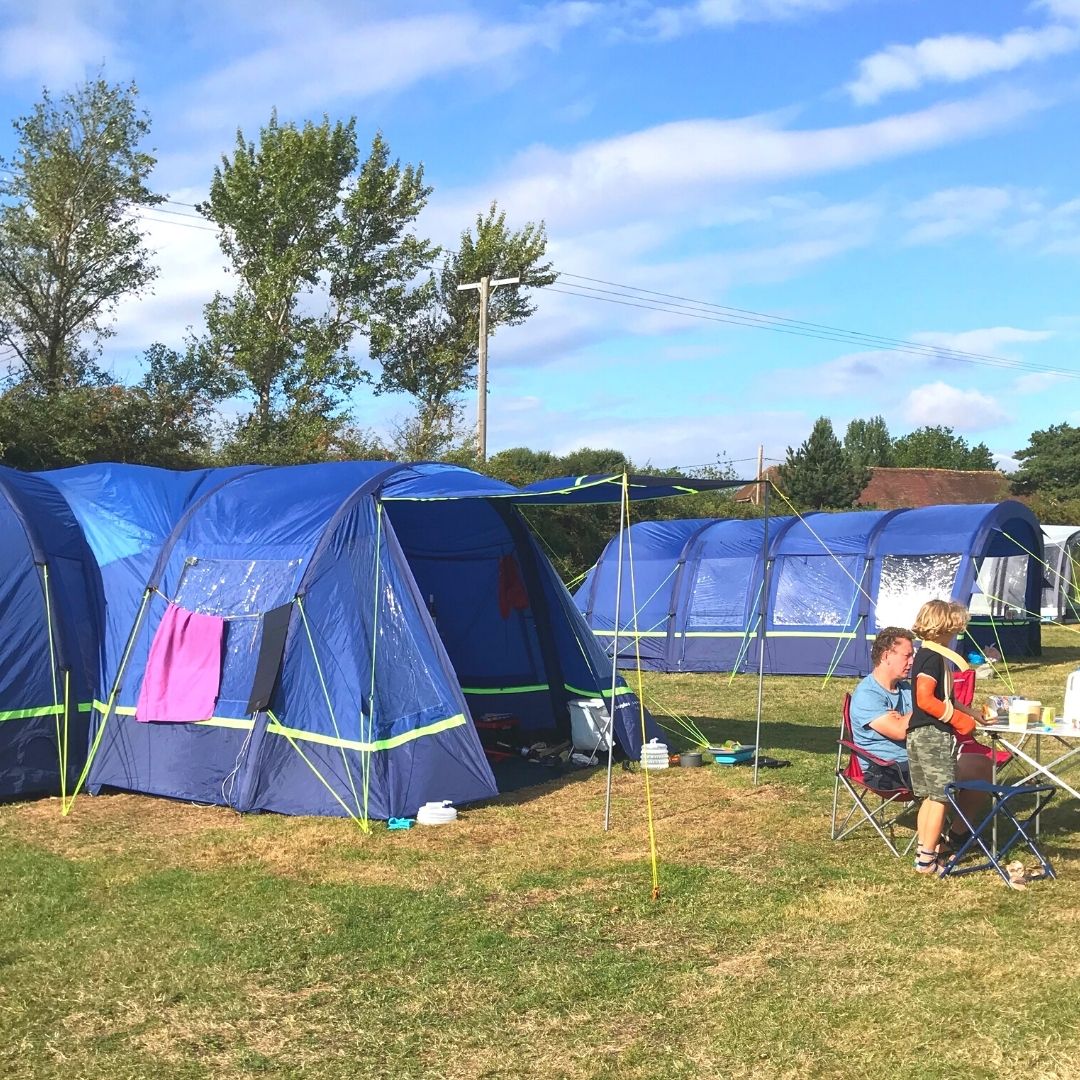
[(878, 808)]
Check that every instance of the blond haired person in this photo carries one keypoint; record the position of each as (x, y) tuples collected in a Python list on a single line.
[(935, 720)]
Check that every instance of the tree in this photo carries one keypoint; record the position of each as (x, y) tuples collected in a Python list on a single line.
[(70, 245), (819, 475), (1050, 466), (938, 447), (868, 443), (426, 340), (317, 245)]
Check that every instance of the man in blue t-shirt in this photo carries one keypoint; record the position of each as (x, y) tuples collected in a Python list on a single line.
[(881, 709)]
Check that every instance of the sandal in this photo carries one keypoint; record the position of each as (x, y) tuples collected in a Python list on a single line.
[(927, 862)]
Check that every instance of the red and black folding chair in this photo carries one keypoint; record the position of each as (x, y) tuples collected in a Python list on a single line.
[(880, 808), (964, 692)]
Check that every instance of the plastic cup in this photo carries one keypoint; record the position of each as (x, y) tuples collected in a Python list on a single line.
[(1047, 715), (1018, 715)]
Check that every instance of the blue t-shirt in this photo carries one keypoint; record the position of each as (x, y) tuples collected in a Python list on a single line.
[(871, 700)]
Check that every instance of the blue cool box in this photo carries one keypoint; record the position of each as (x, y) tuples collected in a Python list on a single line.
[(732, 757)]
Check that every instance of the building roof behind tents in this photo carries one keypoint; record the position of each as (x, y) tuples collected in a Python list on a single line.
[(894, 489)]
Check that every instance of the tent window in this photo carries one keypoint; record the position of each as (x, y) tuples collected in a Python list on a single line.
[(237, 589), (908, 581), (720, 594), (1002, 590), (232, 587), (815, 590)]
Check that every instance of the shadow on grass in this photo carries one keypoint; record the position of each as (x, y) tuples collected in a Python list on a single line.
[(774, 735)]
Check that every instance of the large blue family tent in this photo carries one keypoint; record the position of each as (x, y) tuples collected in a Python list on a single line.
[(833, 581), (50, 615), (366, 613)]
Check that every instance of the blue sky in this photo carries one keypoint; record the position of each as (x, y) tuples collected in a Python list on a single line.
[(907, 169)]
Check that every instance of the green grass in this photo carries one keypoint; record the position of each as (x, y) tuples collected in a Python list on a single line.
[(148, 939)]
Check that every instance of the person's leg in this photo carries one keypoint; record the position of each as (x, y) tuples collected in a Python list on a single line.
[(931, 764)]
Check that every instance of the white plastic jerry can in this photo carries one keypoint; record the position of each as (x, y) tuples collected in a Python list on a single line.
[(1071, 710)]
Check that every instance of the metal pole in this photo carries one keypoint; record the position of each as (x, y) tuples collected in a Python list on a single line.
[(761, 631), (614, 657), (760, 463)]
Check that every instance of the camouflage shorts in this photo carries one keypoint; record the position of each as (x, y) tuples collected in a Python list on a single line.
[(930, 756)]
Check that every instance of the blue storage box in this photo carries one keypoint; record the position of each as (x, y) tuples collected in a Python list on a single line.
[(732, 757)]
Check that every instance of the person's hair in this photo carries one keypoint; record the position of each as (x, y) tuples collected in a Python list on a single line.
[(940, 618), (886, 639)]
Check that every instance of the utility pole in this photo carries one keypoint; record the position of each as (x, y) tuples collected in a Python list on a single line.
[(485, 285)]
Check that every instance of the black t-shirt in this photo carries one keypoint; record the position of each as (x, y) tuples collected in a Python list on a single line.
[(931, 663)]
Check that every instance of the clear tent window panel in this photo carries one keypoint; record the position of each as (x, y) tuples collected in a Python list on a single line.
[(908, 581), (816, 590), (1002, 587), (720, 589)]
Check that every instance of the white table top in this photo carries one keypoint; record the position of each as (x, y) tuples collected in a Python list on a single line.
[(1058, 728)]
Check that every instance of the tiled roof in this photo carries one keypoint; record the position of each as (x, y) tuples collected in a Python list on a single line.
[(889, 489)]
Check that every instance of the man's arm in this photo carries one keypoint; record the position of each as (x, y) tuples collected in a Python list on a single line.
[(892, 725)]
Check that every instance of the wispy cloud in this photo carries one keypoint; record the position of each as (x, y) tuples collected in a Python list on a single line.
[(987, 341), (955, 212), (964, 410), (57, 42), (316, 55), (668, 21), (957, 58), (672, 167)]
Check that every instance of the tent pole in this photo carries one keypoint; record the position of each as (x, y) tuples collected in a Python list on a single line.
[(614, 660), (761, 630)]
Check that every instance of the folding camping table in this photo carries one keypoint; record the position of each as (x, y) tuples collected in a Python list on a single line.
[(1064, 741)]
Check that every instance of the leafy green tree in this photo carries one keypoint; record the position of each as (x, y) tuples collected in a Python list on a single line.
[(318, 242), (70, 244), (426, 340), (1050, 468), (938, 447), (819, 475), (868, 442)]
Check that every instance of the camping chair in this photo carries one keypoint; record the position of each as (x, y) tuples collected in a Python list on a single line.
[(880, 808), (964, 693)]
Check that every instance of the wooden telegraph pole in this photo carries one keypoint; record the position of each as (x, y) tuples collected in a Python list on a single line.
[(484, 286)]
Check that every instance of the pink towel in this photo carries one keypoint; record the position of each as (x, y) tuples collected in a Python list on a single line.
[(183, 673)]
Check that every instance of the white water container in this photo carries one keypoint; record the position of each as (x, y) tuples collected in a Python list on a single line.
[(588, 724), (654, 755), (436, 813), (1071, 710)]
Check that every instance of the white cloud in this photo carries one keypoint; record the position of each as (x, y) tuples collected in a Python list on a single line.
[(316, 56), (955, 58), (676, 167), (955, 212), (671, 21), (986, 341), (57, 42), (962, 410), (1038, 382)]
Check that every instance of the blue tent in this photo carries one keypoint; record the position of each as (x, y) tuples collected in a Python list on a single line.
[(370, 612), (833, 581), (50, 606)]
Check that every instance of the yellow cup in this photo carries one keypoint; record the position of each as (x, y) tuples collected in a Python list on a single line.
[(1047, 715)]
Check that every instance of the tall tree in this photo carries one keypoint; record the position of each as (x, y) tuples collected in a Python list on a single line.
[(70, 246), (1050, 465), (427, 339), (938, 447), (317, 241), (868, 443), (819, 475)]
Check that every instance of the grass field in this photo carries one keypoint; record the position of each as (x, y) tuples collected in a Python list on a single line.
[(149, 939)]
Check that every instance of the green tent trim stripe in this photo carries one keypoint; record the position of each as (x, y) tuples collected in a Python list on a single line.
[(26, 714), (275, 727), (539, 688)]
